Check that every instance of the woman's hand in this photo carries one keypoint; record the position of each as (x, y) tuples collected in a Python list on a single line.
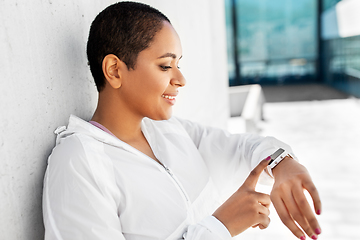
[(287, 195), (246, 208)]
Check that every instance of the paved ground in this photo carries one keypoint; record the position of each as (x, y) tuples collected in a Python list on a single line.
[(305, 92), (325, 135)]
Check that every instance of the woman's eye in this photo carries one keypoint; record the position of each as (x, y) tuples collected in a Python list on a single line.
[(165, 67)]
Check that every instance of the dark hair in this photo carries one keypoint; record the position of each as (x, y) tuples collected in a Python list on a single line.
[(123, 29)]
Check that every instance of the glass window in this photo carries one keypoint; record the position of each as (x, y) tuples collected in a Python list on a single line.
[(276, 40), (341, 55)]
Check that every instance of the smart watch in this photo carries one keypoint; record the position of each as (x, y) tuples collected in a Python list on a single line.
[(276, 158)]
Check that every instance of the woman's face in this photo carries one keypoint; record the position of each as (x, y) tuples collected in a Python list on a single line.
[(151, 87)]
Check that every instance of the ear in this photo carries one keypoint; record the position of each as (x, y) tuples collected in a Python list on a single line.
[(112, 67)]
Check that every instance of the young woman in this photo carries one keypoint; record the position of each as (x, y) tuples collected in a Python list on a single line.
[(135, 172)]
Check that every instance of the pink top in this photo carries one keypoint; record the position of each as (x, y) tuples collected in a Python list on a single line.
[(96, 124)]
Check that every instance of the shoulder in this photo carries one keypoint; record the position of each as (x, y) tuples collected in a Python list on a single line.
[(68, 151), (79, 159)]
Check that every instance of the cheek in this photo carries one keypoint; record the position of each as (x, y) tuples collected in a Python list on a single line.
[(155, 83), (150, 81)]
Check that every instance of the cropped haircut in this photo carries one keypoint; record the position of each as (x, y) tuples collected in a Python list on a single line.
[(123, 29)]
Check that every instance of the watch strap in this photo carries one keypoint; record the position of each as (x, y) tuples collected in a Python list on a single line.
[(277, 159)]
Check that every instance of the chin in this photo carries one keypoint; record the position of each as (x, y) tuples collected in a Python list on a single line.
[(163, 117)]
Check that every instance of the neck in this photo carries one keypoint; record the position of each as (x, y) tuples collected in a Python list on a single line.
[(115, 116)]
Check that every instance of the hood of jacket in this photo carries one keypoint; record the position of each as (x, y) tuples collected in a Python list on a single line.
[(78, 126)]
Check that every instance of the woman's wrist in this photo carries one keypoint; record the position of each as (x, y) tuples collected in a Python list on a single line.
[(277, 169)]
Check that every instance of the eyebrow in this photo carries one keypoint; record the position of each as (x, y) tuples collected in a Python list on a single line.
[(166, 55)]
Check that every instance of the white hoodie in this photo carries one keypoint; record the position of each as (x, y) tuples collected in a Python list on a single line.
[(98, 187)]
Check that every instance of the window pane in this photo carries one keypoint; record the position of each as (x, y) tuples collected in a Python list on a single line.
[(277, 40)]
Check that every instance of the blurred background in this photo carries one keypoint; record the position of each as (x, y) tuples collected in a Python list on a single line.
[(285, 68), (287, 42), (305, 56)]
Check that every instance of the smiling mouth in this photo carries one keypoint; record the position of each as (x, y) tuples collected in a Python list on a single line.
[(168, 97)]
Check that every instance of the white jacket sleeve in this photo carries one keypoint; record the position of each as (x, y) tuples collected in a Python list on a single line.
[(231, 157), (208, 229), (76, 205)]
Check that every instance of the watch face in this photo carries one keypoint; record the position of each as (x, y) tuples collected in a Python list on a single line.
[(276, 154)]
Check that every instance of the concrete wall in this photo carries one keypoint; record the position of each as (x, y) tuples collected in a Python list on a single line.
[(45, 78)]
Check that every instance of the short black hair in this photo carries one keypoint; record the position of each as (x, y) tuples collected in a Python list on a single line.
[(123, 29)]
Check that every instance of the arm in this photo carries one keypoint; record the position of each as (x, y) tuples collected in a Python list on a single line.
[(230, 157), (291, 179), (244, 153)]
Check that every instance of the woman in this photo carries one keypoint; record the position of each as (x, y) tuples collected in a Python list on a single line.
[(136, 172)]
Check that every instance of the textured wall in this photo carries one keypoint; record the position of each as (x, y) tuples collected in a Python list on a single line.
[(45, 78)]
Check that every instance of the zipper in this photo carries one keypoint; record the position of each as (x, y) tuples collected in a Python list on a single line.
[(162, 166), (174, 179), (177, 183), (136, 151), (182, 192)]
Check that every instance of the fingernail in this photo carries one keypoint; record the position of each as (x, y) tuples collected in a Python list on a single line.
[(317, 231), (318, 212), (268, 158), (302, 238), (314, 237)]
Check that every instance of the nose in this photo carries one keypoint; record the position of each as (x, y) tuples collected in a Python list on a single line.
[(178, 79)]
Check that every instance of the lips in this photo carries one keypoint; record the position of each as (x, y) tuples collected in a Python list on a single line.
[(170, 98)]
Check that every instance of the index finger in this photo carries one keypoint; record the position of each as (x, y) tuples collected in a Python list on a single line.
[(254, 175)]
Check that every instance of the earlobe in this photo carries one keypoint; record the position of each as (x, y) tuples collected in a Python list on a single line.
[(111, 69)]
